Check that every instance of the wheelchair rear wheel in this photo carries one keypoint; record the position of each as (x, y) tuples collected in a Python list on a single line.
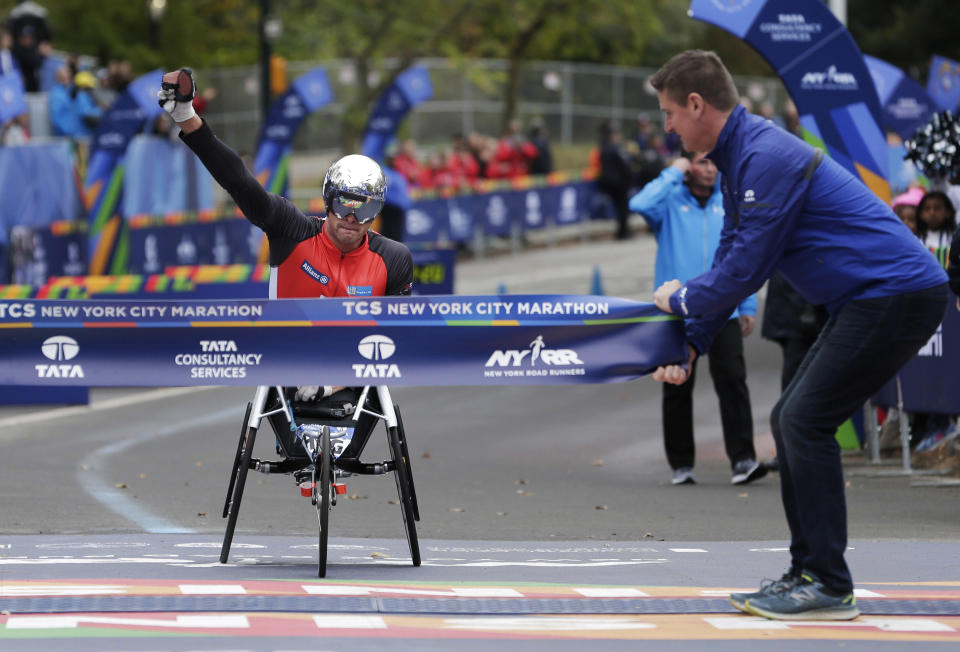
[(406, 457), (323, 487), (236, 461), (232, 508), (404, 486)]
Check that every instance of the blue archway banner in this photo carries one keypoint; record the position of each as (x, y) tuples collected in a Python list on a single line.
[(824, 72), (906, 105), (411, 87), (438, 340)]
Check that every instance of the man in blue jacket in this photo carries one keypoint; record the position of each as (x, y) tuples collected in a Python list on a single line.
[(789, 208), (684, 207)]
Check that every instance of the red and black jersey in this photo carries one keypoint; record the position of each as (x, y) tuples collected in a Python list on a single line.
[(303, 261)]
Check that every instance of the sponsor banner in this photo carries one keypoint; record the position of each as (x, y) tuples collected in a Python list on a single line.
[(308, 93), (906, 106), (926, 380), (943, 83), (13, 102), (164, 177), (457, 218), (410, 88), (824, 72), (442, 340)]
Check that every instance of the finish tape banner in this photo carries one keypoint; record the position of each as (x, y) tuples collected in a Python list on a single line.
[(440, 340)]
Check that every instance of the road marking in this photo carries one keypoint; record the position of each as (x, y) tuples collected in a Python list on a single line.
[(108, 404), (729, 623), (545, 623), (614, 592), (16, 590), (687, 550), (119, 500), (349, 621), (179, 622), (457, 592), (211, 589)]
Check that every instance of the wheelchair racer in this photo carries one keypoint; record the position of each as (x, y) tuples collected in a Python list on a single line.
[(335, 256)]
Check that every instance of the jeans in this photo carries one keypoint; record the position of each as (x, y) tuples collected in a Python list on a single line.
[(858, 351), (729, 373)]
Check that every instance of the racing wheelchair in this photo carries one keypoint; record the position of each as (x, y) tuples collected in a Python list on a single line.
[(319, 443)]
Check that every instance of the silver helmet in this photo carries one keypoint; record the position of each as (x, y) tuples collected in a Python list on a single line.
[(355, 184)]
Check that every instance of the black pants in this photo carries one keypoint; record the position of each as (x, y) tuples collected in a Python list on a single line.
[(858, 351), (729, 373)]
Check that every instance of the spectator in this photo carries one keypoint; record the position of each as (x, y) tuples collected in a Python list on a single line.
[(513, 154), (8, 63), (684, 206), (937, 220), (542, 163), (31, 34), (953, 270), (63, 112), (616, 176), (406, 163), (16, 131), (464, 163), (84, 105), (201, 103), (767, 111), (905, 206), (644, 132)]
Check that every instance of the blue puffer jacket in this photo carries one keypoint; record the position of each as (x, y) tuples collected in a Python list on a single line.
[(831, 237), (687, 233)]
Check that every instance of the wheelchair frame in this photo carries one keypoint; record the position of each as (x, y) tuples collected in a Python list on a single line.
[(318, 469)]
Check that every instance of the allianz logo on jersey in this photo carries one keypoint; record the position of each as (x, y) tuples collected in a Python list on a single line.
[(537, 352), (832, 79), (376, 348), (314, 273), (59, 349), (934, 346)]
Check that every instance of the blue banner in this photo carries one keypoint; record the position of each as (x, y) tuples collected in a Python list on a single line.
[(308, 93), (410, 88), (103, 186), (443, 340), (926, 381), (943, 83), (456, 219), (164, 177), (38, 184), (824, 72), (906, 106)]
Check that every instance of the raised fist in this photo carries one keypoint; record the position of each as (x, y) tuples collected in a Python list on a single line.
[(177, 90)]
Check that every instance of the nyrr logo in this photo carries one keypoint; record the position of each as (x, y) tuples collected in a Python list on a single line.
[(537, 353), (376, 347), (59, 348), (934, 346)]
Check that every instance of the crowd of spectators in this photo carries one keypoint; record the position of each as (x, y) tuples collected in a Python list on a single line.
[(469, 159)]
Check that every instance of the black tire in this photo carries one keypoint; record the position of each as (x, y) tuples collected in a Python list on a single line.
[(324, 486), (233, 506), (236, 460), (403, 491), (406, 457)]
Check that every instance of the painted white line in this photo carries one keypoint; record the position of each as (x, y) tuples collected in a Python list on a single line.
[(349, 621), (120, 501), (466, 592), (886, 624), (865, 593), (180, 622), (109, 404), (611, 592), (546, 623), (686, 550), (16, 590), (212, 589)]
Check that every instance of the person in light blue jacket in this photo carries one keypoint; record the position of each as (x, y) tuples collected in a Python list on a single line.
[(789, 208), (684, 207)]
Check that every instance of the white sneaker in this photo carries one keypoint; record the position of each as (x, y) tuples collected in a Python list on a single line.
[(683, 475), (747, 470)]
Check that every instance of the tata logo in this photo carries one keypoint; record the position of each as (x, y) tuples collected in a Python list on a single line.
[(536, 352), (749, 196), (832, 79), (376, 348), (59, 349)]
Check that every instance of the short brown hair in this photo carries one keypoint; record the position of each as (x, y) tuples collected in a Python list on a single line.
[(697, 71)]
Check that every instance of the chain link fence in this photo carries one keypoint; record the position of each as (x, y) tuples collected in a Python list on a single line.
[(570, 99)]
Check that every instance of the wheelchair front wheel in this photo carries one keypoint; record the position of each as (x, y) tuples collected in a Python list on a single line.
[(406, 457), (323, 486), (400, 474)]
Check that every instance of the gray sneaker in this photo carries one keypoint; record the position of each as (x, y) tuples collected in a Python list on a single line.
[(785, 583), (806, 600), (683, 475), (747, 470)]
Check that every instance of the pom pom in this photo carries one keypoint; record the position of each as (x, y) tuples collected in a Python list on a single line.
[(933, 147)]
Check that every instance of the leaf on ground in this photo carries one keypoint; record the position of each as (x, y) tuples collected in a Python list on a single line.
[(357, 497), (426, 455), (602, 508), (379, 555), (597, 462), (457, 509), (120, 485)]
